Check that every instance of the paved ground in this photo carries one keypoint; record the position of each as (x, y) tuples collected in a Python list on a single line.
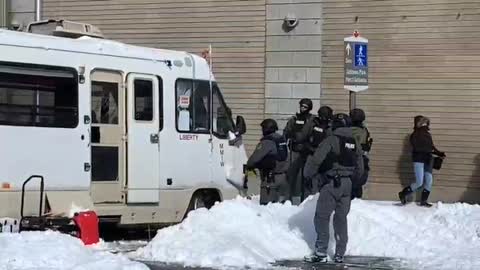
[(354, 263)]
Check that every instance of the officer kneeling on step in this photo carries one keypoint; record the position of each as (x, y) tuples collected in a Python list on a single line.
[(342, 152), (270, 157)]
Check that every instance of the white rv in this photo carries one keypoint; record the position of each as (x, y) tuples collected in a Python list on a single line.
[(140, 135)]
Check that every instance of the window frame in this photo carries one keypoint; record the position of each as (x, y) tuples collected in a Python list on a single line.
[(222, 101), (118, 96), (176, 108), (135, 100), (50, 68), (161, 109), (210, 116)]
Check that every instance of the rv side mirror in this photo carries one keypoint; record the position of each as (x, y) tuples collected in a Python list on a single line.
[(240, 127)]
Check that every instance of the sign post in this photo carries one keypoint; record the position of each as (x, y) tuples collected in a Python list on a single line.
[(355, 65)]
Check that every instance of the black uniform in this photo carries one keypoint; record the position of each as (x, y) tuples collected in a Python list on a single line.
[(321, 130), (271, 158), (343, 155), (298, 132), (362, 136)]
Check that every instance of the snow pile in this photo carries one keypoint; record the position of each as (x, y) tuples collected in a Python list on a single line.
[(446, 236), (233, 233), (52, 250), (241, 233)]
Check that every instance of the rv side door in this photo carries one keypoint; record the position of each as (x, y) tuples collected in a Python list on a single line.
[(143, 145)]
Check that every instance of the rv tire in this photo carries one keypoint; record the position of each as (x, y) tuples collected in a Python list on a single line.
[(203, 199)]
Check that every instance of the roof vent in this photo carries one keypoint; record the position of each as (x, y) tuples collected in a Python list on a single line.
[(62, 28)]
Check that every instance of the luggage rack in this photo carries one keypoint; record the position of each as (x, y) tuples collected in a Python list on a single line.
[(41, 222)]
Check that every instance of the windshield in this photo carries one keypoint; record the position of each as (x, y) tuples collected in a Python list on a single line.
[(222, 115)]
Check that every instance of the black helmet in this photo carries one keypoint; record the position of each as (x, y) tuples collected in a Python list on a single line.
[(325, 113), (307, 102), (341, 120), (423, 122), (269, 126), (357, 115), (415, 120)]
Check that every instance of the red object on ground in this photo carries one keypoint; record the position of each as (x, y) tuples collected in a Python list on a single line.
[(87, 223)]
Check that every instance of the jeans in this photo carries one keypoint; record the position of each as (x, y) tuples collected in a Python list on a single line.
[(422, 171)]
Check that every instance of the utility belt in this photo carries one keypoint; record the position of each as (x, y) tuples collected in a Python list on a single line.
[(301, 148), (268, 181), (269, 176), (336, 179)]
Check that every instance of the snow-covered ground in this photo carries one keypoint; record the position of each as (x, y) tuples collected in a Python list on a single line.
[(52, 251), (242, 233)]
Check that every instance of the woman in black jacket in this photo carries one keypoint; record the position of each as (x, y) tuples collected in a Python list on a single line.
[(422, 150)]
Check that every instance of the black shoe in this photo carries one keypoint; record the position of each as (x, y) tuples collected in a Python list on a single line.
[(338, 259), (403, 194), (316, 257), (423, 202)]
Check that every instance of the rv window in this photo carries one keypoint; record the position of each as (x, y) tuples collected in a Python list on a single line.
[(143, 100), (104, 163), (105, 102), (192, 105), (38, 96), (222, 116)]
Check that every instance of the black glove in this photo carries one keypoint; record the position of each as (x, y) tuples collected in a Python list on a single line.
[(367, 146)]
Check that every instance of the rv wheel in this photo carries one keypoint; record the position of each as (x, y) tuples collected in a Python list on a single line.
[(198, 201), (202, 199)]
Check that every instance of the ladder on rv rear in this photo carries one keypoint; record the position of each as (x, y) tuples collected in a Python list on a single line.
[(40, 222)]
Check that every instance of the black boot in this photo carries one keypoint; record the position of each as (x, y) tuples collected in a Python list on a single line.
[(404, 193), (423, 202)]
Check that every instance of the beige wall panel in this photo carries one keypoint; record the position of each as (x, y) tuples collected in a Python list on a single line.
[(423, 60)]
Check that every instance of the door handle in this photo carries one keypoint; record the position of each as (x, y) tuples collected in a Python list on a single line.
[(154, 138)]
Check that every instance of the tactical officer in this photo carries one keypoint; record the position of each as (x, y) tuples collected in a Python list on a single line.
[(344, 156), (321, 129), (362, 137), (298, 132), (271, 158)]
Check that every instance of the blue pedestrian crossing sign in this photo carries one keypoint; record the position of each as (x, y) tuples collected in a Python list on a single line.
[(355, 63), (361, 55)]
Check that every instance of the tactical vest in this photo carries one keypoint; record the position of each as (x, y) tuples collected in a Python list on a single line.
[(318, 134), (270, 161), (282, 149), (297, 144)]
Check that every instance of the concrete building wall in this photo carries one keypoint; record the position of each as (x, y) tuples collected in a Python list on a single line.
[(3, 13), (293, 58), (21, 12)]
